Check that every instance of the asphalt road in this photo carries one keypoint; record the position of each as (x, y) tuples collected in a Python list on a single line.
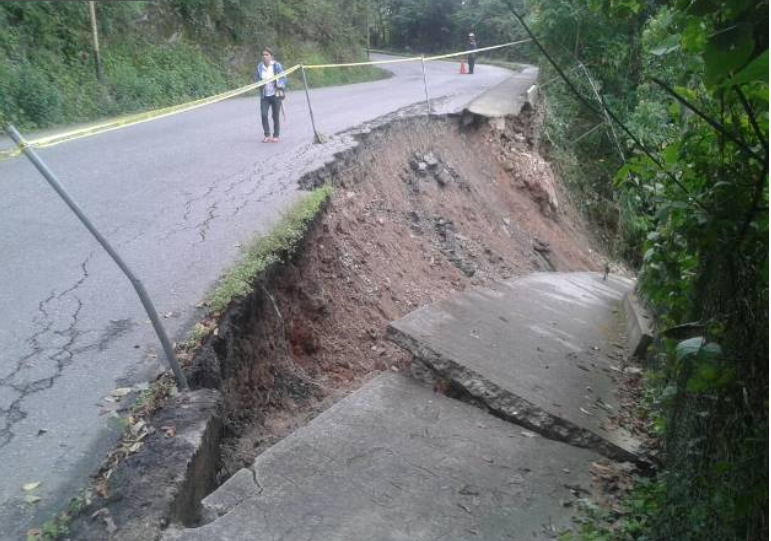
[(176, 197)]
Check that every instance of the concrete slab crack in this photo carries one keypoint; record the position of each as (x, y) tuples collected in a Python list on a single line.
[(507, 405)]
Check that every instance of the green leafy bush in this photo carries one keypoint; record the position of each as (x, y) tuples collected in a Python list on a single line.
[(37, 98)]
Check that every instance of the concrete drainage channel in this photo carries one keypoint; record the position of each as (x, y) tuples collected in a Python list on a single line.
[(419, 211)]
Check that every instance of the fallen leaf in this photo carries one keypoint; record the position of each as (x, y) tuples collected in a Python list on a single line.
[(528, 434), (584, 411), (103, 489), (170, 431), (120, 392), (31, 486), (110, 523), (30, 499), (103, 512), (137, 427), (135, 447)]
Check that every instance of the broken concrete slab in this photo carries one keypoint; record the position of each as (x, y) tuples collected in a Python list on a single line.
[(165, 479), (541, 351), (638, 326), (506, 98), (395, 461)]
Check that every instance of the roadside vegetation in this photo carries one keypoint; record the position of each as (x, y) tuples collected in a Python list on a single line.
[(155, 54), (278, 246), (690, 82)]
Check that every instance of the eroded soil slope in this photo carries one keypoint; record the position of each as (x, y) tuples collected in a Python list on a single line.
[(419, 211)]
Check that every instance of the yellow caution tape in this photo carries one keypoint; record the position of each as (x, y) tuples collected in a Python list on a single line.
[(480, 50), (155, 114), (415, 58), (356, 64), (139, 118)]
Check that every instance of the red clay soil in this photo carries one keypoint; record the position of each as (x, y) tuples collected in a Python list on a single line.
[(418, 214)]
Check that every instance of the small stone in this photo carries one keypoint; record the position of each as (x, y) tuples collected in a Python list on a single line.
[(443, 177)]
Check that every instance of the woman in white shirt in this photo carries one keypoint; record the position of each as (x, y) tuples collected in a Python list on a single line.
[(270, 93)]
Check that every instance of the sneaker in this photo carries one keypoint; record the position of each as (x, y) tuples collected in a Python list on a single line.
[(274, 139), (267, 139)]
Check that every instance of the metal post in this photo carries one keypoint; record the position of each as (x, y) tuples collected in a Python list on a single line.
[(369, 8), (95, 36), (316, 138), (425, 85), (138, 287)]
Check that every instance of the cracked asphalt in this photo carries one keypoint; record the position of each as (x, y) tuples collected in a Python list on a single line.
[(177, 197)]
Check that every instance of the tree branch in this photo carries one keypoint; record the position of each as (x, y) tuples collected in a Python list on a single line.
[(753, 121), (715, 124)]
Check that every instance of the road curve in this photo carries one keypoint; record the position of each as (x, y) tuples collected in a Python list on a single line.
[(176, 197)]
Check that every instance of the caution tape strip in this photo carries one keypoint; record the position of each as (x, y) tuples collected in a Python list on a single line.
[(139, 118), (480, 50), (357, 64), (415, 58)]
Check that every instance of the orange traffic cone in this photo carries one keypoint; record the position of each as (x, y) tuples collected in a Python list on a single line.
[(462, 67)]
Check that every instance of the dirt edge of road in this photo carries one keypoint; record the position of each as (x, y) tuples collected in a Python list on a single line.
[(420, 210)]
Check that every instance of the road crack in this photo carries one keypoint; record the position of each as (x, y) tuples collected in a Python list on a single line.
[(61, 356)]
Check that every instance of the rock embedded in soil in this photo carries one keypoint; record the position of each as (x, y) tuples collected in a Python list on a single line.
[(430, 160), (443, 177)]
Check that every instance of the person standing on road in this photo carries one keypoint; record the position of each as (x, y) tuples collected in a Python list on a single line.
[(472, 57), (271, 93)]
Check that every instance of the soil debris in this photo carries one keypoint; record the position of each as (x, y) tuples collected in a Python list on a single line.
[(417, 214)]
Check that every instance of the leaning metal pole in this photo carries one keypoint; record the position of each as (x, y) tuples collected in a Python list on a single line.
[(138, 287), (425, 86), (316, 138)]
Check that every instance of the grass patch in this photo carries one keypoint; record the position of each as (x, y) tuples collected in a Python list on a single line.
[(278, 245), (59, 526)]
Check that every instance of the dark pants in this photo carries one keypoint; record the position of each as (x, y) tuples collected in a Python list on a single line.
[(471, 59), (270, 102)]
